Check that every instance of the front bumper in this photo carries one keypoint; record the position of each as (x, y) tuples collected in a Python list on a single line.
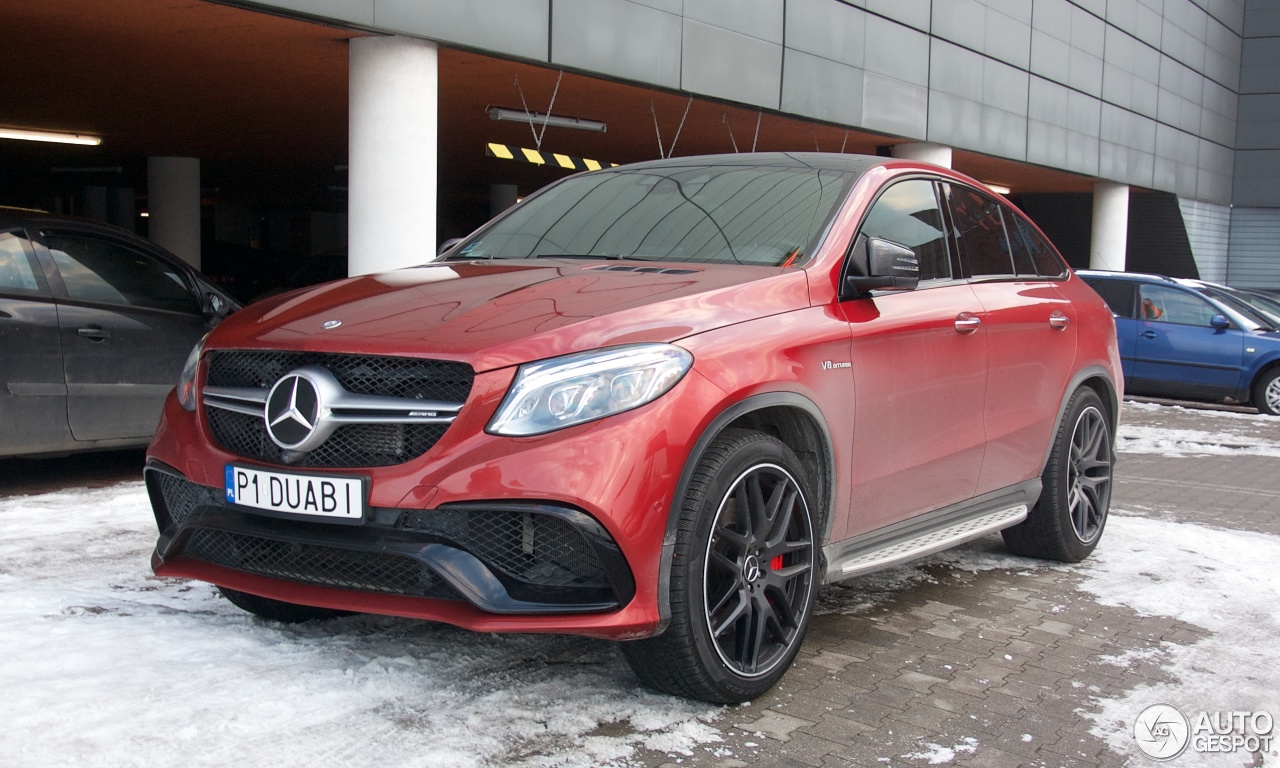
[(502, 558)]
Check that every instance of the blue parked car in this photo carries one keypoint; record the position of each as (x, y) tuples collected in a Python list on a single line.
[(1192, 340)]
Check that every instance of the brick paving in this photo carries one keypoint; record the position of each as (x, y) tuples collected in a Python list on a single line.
[(999, 666)]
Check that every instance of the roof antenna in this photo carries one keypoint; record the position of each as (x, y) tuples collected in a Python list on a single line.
[(724, 118)]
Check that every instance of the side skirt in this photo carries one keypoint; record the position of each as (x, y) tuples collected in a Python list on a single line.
[(930, 533)]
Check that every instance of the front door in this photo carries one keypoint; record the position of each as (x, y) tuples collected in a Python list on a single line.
[(1178, 352), (920, 374), (127, 320)]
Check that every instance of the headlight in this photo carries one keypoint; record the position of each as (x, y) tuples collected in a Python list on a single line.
[(187, 381), (564, 391)]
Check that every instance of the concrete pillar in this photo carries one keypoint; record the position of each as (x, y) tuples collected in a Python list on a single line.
[(391, 196), (173, 200), (925, 152), (1110, 226), (502, 197)]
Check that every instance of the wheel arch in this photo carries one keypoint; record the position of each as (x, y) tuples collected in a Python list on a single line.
[(1099, 380), (800, 425), (1263, 371)]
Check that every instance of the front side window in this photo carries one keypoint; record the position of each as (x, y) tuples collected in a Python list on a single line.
[(711, 214), (16, 271), (979, 233), (1161, 304), (100, 270), (907, 213)]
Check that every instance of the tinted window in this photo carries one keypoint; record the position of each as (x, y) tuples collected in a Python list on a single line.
[(907, 214), (94, 269), (1162, 304), (1118, 294), (743, 215), (16, 272), (979, 233), (1043, 256)]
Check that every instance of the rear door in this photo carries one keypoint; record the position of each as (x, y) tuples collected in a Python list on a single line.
[(919, 370), (1031, 333), (33, 396), (127, 319)]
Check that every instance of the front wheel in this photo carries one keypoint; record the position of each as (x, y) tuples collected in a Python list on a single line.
[(1266, 394), (1067, 521), (742, 578)]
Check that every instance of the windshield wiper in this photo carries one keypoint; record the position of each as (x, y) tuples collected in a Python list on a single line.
[(606, 256)]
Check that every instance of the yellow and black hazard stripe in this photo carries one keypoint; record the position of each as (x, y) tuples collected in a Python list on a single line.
[(553, 159)]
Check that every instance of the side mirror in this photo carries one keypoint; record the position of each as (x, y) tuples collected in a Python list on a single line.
[(447, 244), (216, 306), (881, 265), (1220, 322)]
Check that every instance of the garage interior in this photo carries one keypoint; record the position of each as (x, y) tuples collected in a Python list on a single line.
[(261, 101)]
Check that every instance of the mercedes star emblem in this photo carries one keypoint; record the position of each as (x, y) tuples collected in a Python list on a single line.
[(329, 325), (293, 408)]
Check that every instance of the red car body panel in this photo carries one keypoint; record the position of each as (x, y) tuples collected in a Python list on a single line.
[(941, 415)]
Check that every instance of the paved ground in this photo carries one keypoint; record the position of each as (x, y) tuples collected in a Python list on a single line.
[(1004, 657)]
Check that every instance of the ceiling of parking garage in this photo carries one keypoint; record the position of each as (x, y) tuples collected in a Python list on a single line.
[(262, 100)]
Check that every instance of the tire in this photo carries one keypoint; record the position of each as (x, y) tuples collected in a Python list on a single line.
[(745, 563), (1067, 521), (277, 610), (1266, 393)]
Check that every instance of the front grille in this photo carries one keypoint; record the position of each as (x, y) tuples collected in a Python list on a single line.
[(534, 548), (317, 564), (351, 445)]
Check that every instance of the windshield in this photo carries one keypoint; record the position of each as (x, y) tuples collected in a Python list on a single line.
[(1237, 303), (725, 214)]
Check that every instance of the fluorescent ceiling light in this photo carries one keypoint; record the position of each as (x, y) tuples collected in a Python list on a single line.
[(999, 189), (52, 136), (558, 121)]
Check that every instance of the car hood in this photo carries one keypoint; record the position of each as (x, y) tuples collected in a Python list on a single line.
[(493, 314)]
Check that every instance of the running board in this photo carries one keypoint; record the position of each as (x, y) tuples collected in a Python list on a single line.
[(882, 549)]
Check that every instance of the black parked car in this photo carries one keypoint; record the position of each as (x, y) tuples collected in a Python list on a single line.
[(95, 324)]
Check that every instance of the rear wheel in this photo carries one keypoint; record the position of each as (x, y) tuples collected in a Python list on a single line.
[(277, 610), (1266, 394), (742, 578), (1067, 521)]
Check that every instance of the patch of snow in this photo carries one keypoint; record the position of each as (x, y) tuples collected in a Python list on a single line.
[(937, 754), (1222, 581), (1180, 442), (107, 665)]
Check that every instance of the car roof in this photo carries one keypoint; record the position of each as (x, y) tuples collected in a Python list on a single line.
[(1136, 277)]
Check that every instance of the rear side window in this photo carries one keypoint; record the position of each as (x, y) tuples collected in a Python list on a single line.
[(907, 213), (16, 270), (979, 233), (1044, 260), (96, 269), (1119, 294)]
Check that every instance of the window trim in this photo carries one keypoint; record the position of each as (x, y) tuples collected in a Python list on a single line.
[(43, 290)]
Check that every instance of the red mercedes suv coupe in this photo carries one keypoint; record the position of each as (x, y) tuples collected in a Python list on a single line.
[(660, 403)]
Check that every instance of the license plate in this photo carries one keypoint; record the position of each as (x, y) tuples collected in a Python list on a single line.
[(325, 496)]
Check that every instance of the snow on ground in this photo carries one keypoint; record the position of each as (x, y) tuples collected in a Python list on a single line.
[(1232, 433), (106, 665), (1223, 581)]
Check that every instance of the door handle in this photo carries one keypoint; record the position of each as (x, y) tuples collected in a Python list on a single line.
[(1059, 321), (967, 322), (1148, 334), (94, 333)]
